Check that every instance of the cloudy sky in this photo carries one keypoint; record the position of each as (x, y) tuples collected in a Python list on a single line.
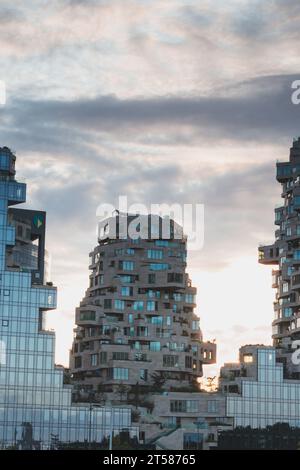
[(163, 101)]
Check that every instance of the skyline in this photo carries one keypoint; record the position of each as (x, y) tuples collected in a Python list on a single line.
[(119, 107)]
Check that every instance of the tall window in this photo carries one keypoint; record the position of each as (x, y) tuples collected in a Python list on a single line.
[(94, 359), (119, 304), (144, 374), (189, 298), (212, 406), (170, 361), (126, 291), (138, 305), (177, 296), (126, 265), (151, 306)]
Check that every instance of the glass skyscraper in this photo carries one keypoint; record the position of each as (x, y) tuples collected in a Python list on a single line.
[(35, 405)]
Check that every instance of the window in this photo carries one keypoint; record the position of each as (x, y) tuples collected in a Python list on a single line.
[(248, 358), (107, 303), (154, 346), (126, 251), (159, 266), (287, 312), (77, 362), (119, 373), (142, 331), (119, 304), (153, 294), (184, 406), (126, 291), (129, 331), (192, 441), (195, 325), (289, 231), (285, 287), (162, 243), (99, 279), (87, 315), (103, 357), (297, 254), (156, 320), (177, 296), (20, 231), (170, 361), (188, 362), (140, 357), (130, 318), (175, 277), (144, 374), (120, 356), (189, 298), (5, 323), (154, 254), (212, 406), (151, 306), (126, 265), (94, 359), (178, 406), (138, 305), (151, 278)]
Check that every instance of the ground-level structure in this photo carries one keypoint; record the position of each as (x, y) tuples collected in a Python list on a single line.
[(257, 394), (181, 420)]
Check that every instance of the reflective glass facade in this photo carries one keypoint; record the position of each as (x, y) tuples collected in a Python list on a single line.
[(268, 398), (34, 402)]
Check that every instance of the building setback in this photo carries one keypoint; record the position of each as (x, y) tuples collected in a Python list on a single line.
[(284, 253), (35, 405), (136, 323)]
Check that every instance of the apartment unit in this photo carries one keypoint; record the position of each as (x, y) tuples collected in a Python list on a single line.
[(136, 323), (284, 254), (35, 405), (257, 395)]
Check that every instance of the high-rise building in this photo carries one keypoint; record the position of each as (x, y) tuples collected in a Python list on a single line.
[(136, 323), (35, 405), (285, 254)]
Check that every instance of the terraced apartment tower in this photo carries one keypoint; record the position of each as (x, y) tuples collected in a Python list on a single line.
[(136, 323), (285, 254)]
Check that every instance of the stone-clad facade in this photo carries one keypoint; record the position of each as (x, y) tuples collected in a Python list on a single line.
[(284, 253), (136, 323)]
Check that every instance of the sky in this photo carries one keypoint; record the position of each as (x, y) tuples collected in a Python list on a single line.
[(165, 101)]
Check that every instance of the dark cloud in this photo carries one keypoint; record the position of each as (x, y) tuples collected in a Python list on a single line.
[(258, 110)]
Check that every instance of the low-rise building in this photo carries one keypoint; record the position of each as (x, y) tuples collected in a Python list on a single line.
[(257, 395)]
